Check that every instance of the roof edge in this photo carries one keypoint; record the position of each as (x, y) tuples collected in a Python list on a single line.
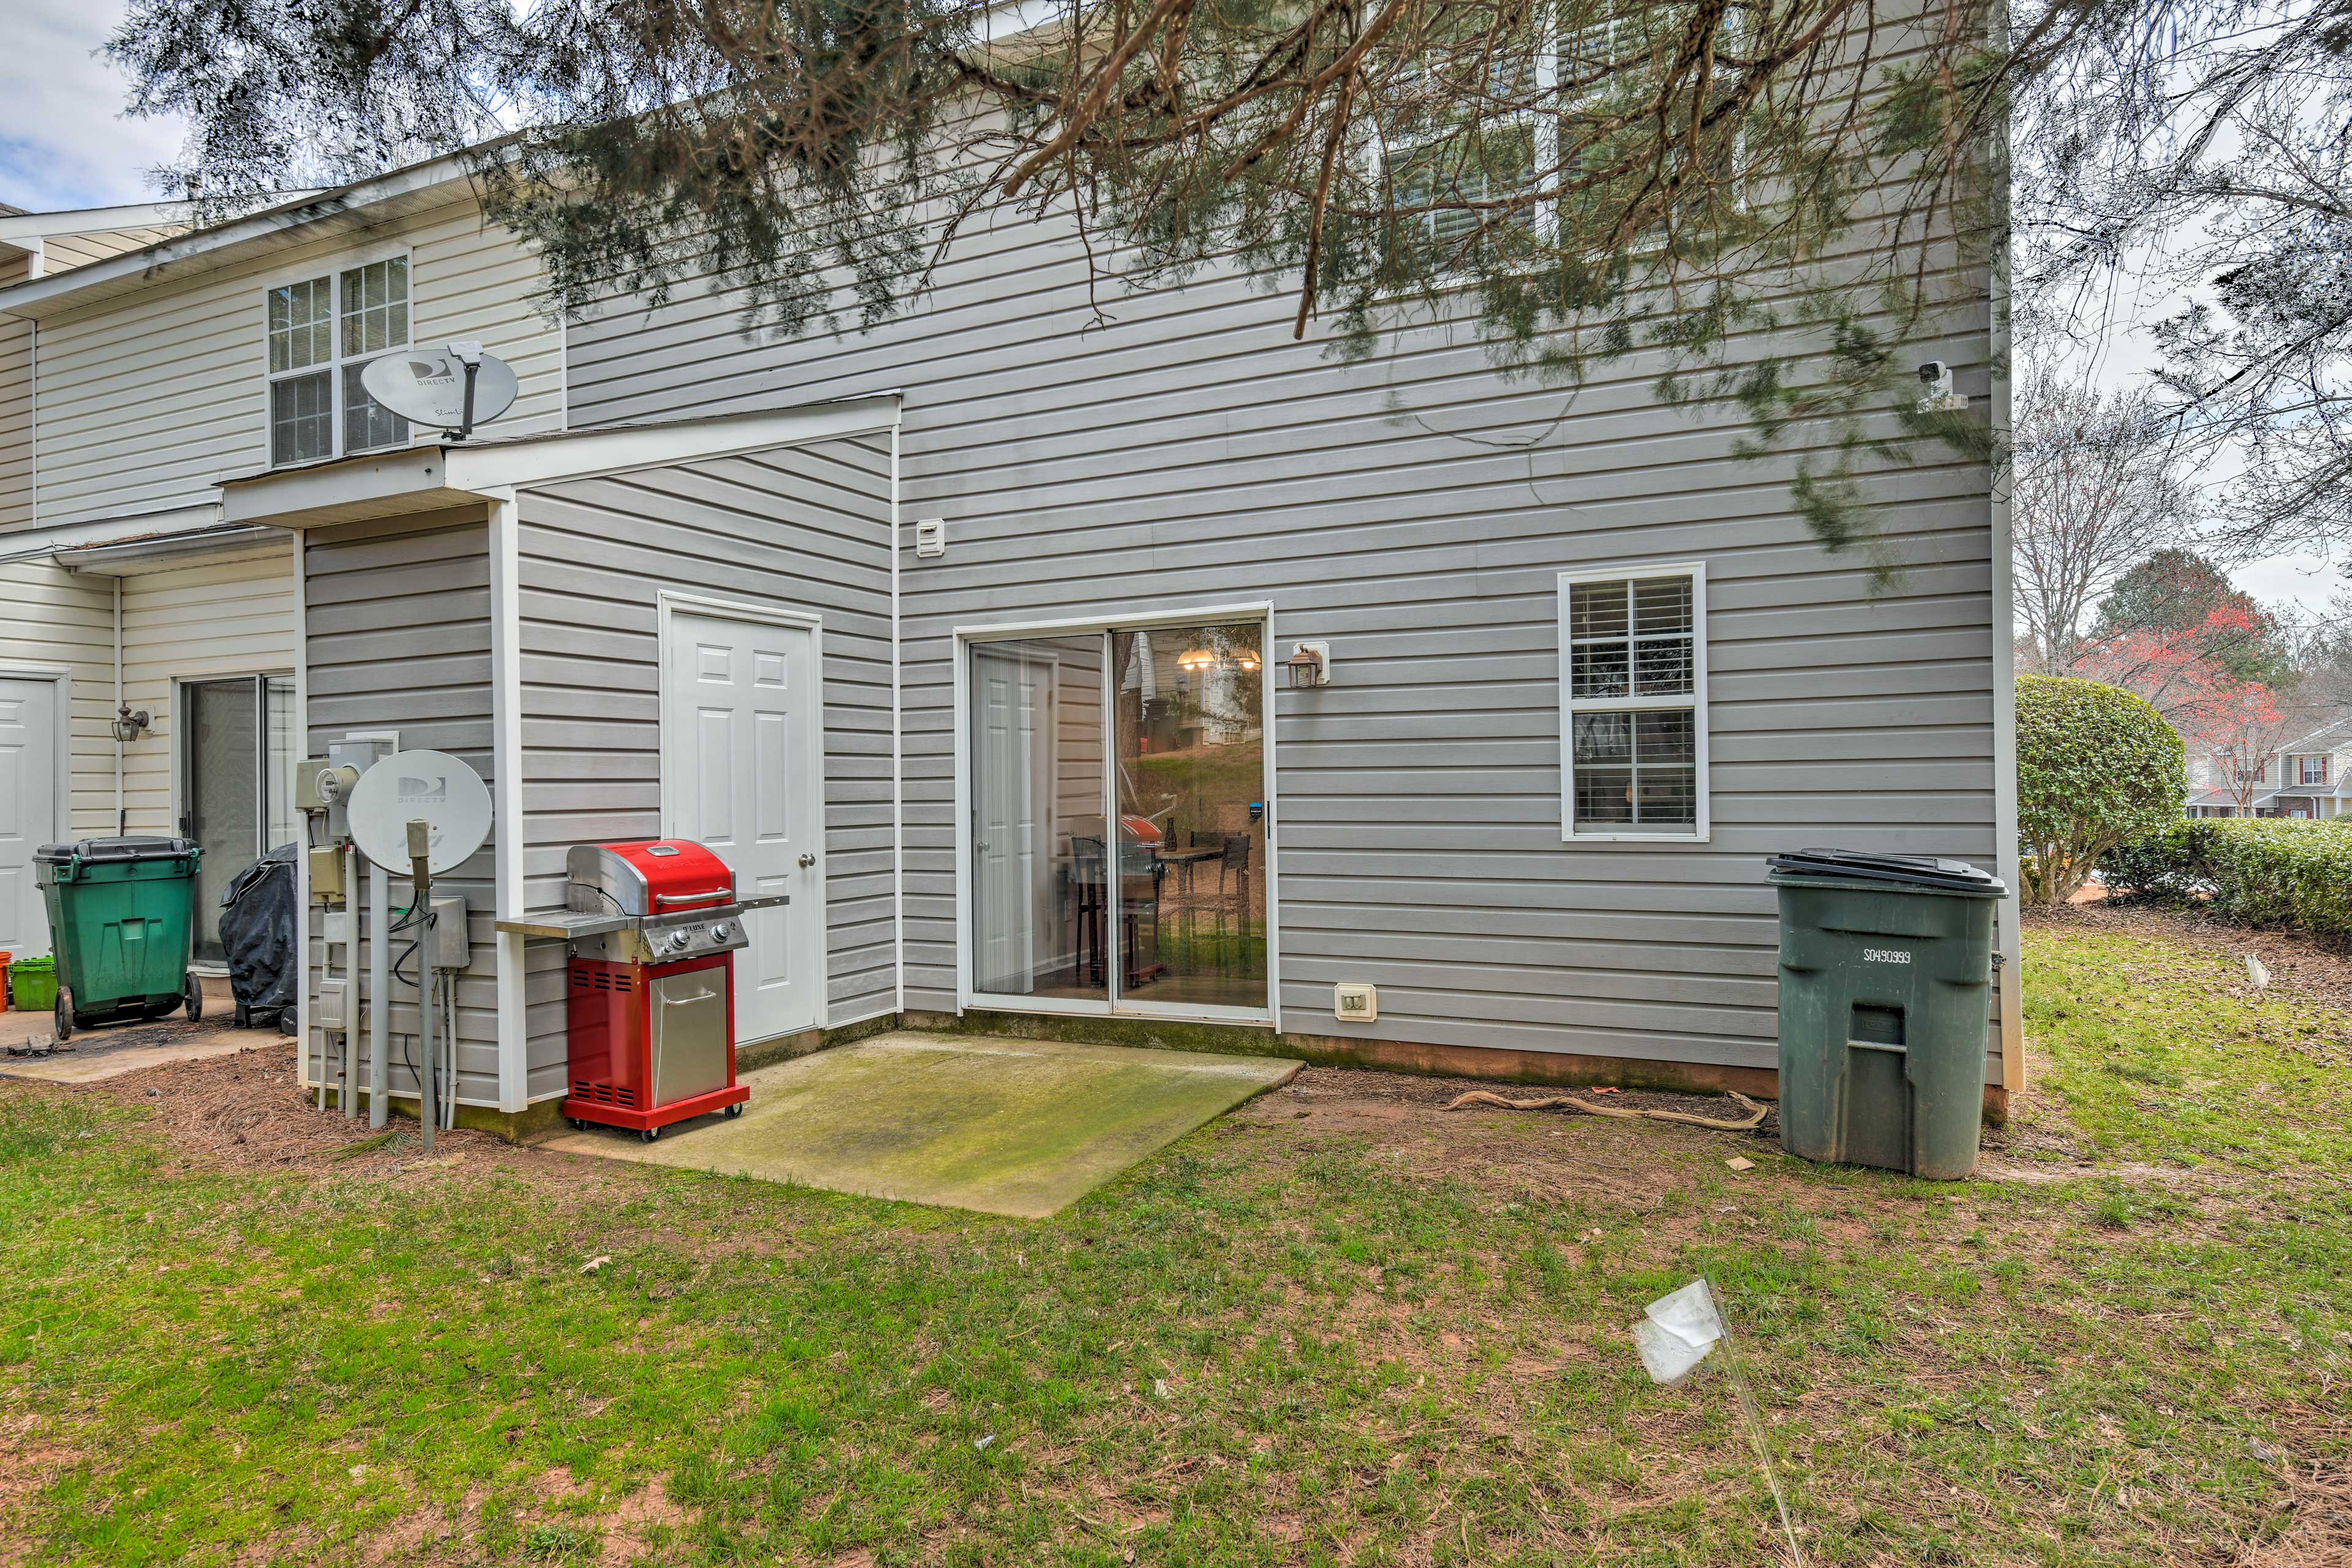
[(45, 296)]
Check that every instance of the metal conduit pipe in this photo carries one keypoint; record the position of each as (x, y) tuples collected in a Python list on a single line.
[(350, 984), (379, 990)]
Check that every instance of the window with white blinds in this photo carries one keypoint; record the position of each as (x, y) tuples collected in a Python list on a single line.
[(1633, 672)]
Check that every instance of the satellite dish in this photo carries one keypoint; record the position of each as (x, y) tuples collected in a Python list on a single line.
[(427, 387), (447, 795)]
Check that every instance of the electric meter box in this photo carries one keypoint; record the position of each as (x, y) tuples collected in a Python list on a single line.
[(329, 1005)]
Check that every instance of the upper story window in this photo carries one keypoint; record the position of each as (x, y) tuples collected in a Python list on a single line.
[(323, 333), (2313, 770), (1633, 649)]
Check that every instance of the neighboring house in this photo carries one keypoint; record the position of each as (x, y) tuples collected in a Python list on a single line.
[(973, 633), (2307, 779)]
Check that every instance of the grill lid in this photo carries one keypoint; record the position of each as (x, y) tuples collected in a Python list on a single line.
[(647, 878)]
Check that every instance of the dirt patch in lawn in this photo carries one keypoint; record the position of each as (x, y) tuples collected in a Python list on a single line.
[(249, 1111), (2318, 1533)]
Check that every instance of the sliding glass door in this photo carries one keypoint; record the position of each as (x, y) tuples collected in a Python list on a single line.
[(235, 757), (1117, 850)]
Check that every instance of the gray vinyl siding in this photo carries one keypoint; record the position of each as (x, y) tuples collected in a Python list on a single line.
[(1181, 449), (803, 530), (398, 633)]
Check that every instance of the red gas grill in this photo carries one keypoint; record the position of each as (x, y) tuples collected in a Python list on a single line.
[(653, 927)]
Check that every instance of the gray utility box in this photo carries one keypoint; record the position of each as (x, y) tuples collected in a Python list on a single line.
[(449, 948), (1885, 1001)]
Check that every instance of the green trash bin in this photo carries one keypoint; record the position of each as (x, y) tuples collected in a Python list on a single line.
[(1885, 1001), (32, 985), (120, 918)]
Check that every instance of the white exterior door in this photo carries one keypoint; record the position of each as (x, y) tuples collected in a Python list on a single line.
[(29, 808), (743, 773)]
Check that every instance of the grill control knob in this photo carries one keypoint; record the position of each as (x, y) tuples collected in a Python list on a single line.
[(680, 939), (718, 932)]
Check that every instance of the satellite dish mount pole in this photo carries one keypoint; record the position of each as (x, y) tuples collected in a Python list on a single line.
[(470, 354), (420, 907)]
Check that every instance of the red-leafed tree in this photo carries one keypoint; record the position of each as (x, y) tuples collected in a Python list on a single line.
[(2176, 668)]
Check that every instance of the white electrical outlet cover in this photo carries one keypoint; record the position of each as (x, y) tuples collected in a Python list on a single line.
[(1356, 1004)]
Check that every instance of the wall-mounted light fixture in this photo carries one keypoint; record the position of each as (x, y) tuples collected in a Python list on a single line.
[(1310, 664), (1195, 659), (129, 725)]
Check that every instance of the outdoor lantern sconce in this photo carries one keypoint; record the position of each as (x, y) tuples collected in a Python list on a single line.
[(128, 725), (1310, 664)]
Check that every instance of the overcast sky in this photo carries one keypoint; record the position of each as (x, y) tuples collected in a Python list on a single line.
[(64, 142), (67, 144)]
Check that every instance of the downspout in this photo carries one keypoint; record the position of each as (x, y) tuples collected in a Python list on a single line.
[(898, 771), (122, 823)]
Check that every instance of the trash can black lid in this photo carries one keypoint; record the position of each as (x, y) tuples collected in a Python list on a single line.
[(1911, 870), (115, 849)]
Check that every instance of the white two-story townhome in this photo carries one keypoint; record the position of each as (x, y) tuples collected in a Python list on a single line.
[(2305, 779), (149, 649)]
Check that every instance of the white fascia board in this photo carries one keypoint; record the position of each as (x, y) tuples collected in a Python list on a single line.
[(29, 542), (403, 479), (408, 480), (16, 228), (45, 296), (592, 454)]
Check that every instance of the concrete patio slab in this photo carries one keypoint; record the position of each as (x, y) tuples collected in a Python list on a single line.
[(112, 1050), (1011, 1127)]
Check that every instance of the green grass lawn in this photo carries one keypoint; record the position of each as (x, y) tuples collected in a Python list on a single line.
[(1301, 1336)]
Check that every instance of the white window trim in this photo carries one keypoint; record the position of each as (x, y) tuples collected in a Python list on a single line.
[(1696, 699), (334, 268)]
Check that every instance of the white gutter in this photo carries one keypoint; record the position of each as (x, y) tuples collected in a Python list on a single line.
[(150, 263)]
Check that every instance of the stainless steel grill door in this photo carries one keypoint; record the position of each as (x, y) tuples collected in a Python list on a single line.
[(689, 1034)]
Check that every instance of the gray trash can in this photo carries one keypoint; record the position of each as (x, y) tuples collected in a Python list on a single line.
[(1885, 1001)]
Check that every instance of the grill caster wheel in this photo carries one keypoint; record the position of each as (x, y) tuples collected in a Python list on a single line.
[(736, 1109), (577, 1124), (648, 1134)]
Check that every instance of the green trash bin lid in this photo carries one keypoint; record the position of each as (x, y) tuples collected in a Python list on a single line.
[(1927, 871), (114, 850)]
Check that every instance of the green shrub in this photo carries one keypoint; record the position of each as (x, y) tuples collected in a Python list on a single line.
[(2257, 871), (2096, 767)]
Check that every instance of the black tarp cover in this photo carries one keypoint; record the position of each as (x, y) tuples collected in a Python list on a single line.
[(257, 927)]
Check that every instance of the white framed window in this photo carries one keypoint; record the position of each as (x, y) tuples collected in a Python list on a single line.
[(323, 331), (1571, 76), (1633, 688), (2314, 770)]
